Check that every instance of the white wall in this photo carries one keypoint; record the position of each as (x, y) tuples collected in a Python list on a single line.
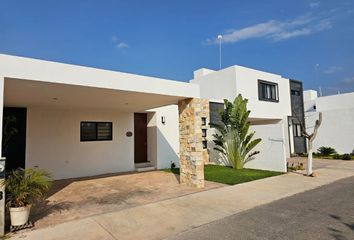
[(167, 136), (217, 85), (53, 143), (247, 85), (272, 148), (340, 101), (229, 82), (336, 130)]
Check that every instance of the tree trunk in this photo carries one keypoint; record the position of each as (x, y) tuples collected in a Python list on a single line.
[(309, 158)]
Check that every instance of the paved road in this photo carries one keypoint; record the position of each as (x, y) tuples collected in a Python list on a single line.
[(324, 213)]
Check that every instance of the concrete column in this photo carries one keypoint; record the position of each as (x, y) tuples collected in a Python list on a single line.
[(192, 154), (2, 200)]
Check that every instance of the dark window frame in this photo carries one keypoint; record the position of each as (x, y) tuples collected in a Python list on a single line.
[(260, 95), (204, 121), (297, 130), (205, 144), (204, 133), (110, 137), (295, 92)]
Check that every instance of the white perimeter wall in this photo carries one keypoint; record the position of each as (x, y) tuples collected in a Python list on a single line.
[(336, 130), (53, 143), (272, 148), (165, 147)]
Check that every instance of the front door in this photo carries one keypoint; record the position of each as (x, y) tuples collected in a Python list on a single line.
[(140, 137), (14, 137)]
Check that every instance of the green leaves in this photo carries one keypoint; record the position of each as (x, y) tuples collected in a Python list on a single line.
[(233, 139), (25, 186)]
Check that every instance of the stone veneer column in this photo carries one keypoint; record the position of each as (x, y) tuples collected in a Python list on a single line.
[(192, 153)]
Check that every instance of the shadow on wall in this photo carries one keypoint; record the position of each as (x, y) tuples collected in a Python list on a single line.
[(160, 151)]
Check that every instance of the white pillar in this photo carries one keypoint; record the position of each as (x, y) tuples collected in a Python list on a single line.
[(2, 200)]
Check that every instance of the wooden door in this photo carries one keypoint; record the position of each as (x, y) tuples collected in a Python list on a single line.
[(140, 137)]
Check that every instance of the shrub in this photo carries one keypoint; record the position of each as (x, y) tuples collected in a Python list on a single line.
[(336, 156), (346, 156), (326, 151), (173, 165), (26, 186), (352, 153)]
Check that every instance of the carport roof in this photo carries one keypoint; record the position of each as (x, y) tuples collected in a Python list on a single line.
[(31, 82)]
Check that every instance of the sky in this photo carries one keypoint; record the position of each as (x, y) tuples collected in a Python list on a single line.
[(311, 41)]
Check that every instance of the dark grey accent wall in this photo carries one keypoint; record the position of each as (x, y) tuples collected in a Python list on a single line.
[(214, 109), (298, 115)]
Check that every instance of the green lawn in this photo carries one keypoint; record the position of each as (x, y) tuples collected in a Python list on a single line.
[(229, 175)]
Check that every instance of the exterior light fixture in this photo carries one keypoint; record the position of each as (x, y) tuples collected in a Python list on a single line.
[(163, 120)]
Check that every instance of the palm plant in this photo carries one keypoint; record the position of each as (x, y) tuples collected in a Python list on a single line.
[(25, 186), (233, 139)]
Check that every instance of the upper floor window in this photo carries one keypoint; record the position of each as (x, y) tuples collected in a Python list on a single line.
[(295, 92), (268, 91), (95, 131)]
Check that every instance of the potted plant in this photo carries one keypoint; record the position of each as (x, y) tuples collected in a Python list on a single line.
[(23, 188)]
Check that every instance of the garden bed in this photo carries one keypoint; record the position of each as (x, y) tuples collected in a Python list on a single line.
[(230, 176)]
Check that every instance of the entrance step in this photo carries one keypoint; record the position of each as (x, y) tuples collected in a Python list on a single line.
[(144, 167)]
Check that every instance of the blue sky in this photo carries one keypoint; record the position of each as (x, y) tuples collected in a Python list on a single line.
[(311, 41)]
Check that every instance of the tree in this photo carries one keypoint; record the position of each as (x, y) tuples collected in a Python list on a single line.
[(310, 138), (233, 138)]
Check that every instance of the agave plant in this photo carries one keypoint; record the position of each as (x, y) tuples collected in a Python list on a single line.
[(26, 186), (233, 138)]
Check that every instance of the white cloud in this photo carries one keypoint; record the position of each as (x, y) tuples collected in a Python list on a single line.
[(314, 4), (277, 30), (348, 80), (332, 69), (119, 44)]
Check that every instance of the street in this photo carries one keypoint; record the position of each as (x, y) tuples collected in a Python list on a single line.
[(323, 213)]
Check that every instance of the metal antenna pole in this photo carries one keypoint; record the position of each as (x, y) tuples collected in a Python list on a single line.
[(219, 38)]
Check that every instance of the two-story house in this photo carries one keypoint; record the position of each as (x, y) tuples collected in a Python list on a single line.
[(76, 121)]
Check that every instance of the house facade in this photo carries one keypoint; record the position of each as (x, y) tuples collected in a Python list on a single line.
[(337, 128), (76, 121), (275, 108)]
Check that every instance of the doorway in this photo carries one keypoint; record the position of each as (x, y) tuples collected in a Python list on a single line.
[(14, 137), (140, 137)]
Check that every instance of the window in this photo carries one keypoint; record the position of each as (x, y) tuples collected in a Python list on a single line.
[(297, 130), (204, 132), (205, 144), (203, 121), (95, 131), (214, 109), (295, 92), (268, 91)]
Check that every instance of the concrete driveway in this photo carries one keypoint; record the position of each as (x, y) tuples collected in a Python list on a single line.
[(83, 197), (317, 163)]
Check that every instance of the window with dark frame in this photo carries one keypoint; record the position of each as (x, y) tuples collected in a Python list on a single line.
[(95, 131), (203, 121), (204, 132), (268, 91), (297, 130), (205, 144), (295, 92)]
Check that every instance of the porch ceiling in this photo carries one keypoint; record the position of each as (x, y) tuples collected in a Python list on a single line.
[(28, 93)]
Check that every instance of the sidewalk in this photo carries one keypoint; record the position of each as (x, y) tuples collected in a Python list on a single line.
[(164, 219)]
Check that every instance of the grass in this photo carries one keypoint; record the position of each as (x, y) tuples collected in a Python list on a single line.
[(230, 176)]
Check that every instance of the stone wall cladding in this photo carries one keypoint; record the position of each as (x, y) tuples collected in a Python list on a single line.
[(192, 154)]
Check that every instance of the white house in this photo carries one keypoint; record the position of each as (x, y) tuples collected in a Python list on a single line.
[(337, 128), (78, 121)]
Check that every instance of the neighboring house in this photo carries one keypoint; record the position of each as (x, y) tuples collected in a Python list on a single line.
[(78, 121), (337, 128)]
